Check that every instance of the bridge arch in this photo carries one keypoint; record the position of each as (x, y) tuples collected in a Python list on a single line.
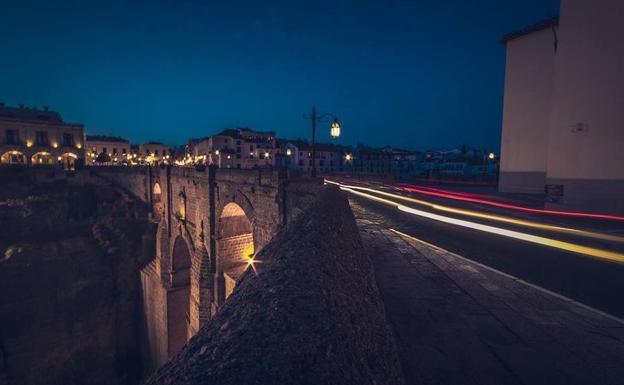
[(235, 243), (179, 296)]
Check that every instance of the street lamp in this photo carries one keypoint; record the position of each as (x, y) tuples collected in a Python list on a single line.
[(335, 129), (334, 132)]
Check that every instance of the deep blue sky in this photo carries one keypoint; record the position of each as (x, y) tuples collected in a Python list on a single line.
[(414, 74)]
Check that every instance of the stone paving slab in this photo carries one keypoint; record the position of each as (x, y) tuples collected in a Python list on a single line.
[(459, 322)]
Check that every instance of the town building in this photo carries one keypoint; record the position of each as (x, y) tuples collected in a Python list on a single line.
[(235, 148), (329, 159), (107, 150), (562, 113), (153, 153), (34, 136), (385, 162), (287, 155)]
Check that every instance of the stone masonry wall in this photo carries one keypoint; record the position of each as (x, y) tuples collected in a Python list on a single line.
[(231, 249), (311, 315)]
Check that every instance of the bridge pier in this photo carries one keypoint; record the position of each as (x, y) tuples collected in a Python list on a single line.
[(210, 222)]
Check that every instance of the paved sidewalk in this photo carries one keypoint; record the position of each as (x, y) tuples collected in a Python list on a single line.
[(458, 322)]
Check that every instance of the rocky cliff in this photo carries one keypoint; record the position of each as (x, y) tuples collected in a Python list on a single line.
[(70, 251)]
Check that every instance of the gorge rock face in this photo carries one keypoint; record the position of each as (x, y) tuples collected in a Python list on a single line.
[(70, 251)]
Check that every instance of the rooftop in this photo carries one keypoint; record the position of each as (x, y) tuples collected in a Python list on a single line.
[(548, 23), (105, 138), (29, 113)]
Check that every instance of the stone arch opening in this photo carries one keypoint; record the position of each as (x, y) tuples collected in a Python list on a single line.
[(68, 160), (157, 204), (235, 244), (179, 297), (13, 157), (42, 158)]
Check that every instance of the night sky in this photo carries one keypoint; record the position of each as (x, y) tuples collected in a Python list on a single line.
[(412, 74)]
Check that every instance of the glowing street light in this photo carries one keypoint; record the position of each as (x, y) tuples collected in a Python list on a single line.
[(335, 129), (491, 155), (348, 157)]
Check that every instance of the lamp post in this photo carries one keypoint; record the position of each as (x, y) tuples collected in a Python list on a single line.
[(335, 131)]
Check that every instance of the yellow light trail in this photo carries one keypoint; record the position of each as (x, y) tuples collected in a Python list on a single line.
[(497, 218), (561, 245)]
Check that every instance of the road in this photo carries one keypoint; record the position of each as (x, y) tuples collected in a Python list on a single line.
[(458, 321), (591, 280)]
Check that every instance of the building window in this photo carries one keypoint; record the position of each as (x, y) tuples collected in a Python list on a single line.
[(104, 150), (12, 137), (123, 151), (41, 138), (238, 156), (114, 150), (68, 139)]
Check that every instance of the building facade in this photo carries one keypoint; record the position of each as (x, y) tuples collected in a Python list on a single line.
[(39, 137), (329, 158), (562, 117), (153, 153), (107, 150), (235, 148)]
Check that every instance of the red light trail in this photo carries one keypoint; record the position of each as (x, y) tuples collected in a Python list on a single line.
[(468, 198)]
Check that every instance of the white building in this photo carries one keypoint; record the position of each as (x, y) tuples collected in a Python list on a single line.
[(39, 137), (563, 114), (236, 148), (108, 150)]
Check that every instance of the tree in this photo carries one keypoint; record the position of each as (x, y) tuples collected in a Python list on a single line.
[(103, 158)]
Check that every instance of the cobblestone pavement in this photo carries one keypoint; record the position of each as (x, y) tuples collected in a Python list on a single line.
[(459, 322)]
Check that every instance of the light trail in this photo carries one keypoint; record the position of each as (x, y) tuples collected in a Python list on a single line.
[(457, 193), (497, 218), (466, 198), (549, 242)]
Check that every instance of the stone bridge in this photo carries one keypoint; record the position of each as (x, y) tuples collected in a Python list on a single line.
[(210, 224)]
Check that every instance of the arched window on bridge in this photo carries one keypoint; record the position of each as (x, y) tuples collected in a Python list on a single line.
[(235, 244), (157, 206), (179, 297)]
